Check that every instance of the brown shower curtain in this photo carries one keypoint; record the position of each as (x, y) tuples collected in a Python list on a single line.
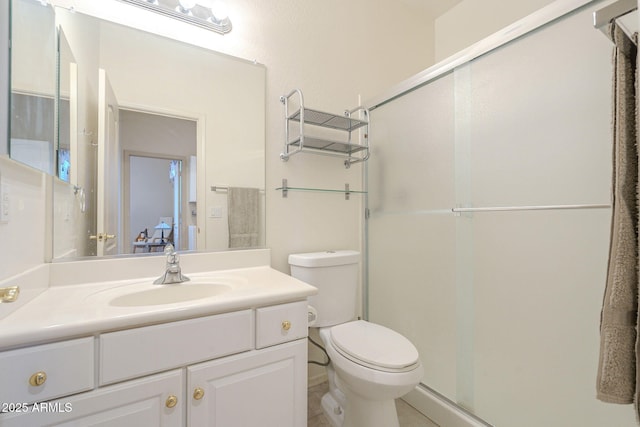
[(617, 380)]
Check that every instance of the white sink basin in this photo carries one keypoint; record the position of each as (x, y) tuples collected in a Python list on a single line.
[(170, 294)]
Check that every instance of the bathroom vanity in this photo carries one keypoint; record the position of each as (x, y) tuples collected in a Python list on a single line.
[(226, 348)]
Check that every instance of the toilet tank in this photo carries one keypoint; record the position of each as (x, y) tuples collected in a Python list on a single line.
[(335, 274)]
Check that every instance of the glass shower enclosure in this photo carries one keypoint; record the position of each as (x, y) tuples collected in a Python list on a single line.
[(488, 230)]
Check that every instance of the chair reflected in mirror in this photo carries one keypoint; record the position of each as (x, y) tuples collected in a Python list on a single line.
[(159, 239)]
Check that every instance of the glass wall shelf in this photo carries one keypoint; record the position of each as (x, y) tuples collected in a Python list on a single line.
[(347, 191)]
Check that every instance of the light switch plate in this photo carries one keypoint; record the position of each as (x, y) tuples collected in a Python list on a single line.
[(216, 212)]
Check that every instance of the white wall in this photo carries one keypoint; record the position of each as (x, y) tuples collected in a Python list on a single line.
[(23, 238), (473, 20), (333, 51)]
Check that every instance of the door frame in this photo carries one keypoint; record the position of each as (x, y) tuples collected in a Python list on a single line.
[(126, 192), (201, 177)]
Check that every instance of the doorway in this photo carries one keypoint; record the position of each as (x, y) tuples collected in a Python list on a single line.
[(156, 150), (155, 192)]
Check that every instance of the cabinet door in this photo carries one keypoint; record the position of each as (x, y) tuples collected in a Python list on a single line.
[(263, 388), (135, 403)]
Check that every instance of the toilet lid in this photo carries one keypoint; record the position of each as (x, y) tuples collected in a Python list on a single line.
[(374, 345)]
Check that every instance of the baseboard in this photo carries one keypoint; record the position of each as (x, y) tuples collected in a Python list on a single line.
[(317, 379), (440, 409)]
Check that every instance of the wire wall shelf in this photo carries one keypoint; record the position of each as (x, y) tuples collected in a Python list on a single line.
[(298, 141)]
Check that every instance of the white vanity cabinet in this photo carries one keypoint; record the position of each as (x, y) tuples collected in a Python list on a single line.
[(243, 368), (147, 401)]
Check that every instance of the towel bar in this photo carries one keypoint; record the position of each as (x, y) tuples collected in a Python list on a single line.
[(216, 188), (529, 208)]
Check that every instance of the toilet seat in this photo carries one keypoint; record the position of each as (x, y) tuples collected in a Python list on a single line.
[(374, 346)]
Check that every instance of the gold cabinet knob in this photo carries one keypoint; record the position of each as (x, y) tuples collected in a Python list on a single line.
[(38, 379), (286, 325), (9, 294), (171, 401), (198, 393)]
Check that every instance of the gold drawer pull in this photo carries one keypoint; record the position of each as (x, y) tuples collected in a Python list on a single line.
[(198, 393), (286, 325), (38, 379), (171, 401)]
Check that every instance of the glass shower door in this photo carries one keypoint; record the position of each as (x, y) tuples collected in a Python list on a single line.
[(488, 235), (411, 229)]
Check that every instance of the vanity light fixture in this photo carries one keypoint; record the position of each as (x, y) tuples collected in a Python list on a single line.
[(208, 14)]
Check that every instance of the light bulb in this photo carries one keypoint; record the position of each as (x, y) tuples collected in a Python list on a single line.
[(219, 10), (187, 4)]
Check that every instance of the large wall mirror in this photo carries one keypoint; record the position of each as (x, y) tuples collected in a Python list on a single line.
[(155, 140)]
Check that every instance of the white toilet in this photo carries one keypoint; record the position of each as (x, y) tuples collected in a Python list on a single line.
[(370, 365)]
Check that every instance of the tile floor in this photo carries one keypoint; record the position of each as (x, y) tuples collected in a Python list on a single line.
[(408, 416)]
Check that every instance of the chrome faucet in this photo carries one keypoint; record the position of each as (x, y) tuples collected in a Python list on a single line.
[(173, 273)]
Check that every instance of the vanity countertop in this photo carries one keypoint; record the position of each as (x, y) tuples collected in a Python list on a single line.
[(62, 312)]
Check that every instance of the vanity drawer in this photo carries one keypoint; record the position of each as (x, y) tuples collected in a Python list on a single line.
[(281, 323), (141, 351), (44, 372)]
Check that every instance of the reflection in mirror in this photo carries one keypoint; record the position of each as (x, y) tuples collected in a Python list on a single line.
[(33, 85), (66, 107), (158, 124), (149, 174)]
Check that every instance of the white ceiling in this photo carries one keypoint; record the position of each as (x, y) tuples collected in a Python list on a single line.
[(433, 7)]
